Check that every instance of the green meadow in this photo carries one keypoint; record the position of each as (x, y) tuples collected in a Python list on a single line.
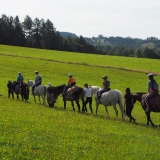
[(33, 131)]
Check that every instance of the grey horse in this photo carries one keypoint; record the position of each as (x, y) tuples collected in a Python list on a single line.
[(39, 91), (110, 98)]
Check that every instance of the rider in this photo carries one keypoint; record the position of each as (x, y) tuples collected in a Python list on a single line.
[(105, 86), (38, 81), (19, 79), (71, 83), (152, 90)]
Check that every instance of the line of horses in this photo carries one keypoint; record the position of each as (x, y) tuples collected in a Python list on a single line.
[(76, 93)]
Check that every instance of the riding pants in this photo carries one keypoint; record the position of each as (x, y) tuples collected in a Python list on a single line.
[(37, 84), (149, 96), (102, 91)]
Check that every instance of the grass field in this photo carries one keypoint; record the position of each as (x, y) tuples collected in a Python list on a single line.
[(33, 131)]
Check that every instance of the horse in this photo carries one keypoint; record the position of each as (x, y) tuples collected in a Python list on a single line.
[(17, 91), (154, 104), (109, 98), (73, 94), (39, 91)]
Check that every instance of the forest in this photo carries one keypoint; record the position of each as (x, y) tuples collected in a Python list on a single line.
[(40, 33)]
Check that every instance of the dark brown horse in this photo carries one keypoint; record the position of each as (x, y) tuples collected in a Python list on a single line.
[(74, 93), (154, 104)]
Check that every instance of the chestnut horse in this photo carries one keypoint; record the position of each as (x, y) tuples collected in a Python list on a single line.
[(74, 93), (154, 104)]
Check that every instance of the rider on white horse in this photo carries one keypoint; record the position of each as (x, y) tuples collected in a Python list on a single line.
[(106, 85), (38, 81)]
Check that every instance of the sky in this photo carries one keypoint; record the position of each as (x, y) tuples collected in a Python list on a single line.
[(91, 18)]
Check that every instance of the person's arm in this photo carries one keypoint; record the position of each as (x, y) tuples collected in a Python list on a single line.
[(149, 86)]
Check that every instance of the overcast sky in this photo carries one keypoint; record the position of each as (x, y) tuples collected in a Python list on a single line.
[(133, 18)]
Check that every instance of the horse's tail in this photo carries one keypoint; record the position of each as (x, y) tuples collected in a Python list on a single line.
[(78, 92), (120, 102), (45, 91)]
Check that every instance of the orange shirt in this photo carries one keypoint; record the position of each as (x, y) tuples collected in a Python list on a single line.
[(71, 80)]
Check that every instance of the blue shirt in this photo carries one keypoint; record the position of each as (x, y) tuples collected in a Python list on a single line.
[(20, 78)]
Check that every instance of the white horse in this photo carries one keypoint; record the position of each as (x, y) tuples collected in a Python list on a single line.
[(110, 98), (41, 90)]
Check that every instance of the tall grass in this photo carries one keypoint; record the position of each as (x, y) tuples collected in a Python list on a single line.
[(33, 131)]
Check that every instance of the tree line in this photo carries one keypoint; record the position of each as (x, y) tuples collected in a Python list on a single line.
[(39, 33)]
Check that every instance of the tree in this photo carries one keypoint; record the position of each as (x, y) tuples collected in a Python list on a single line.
[(18, 32)]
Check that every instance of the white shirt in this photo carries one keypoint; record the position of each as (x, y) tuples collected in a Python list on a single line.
[(88, 92)]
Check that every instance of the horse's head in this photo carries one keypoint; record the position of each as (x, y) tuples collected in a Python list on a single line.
[(30, 83), (137, 96), (58, 90), (95, 89)]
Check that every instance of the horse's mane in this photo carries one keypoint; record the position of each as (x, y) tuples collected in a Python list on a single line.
[(139, 93), (60, 86)]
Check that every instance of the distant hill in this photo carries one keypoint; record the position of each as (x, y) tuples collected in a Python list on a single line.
[(150, 42), (66, 34)]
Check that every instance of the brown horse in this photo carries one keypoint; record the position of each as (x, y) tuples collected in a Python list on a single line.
[(154, 104), (17, 91), (74, 93)]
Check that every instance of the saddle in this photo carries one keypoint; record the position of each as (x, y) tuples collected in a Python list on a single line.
[(104, 93), (151, 101), (72, 93), (36, 87)]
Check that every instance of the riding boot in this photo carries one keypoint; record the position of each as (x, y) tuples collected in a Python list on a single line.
[(147, 106)]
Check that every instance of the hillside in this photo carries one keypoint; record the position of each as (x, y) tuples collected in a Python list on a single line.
[(33, 131)]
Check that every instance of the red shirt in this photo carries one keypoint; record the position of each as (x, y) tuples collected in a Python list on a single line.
[(71, 80)]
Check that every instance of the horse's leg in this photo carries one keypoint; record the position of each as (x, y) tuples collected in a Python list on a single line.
[(149, 118), (107, 110), (34, 98), (17, 97), (97, 104), (22, 97), (39, 99), (44, 102), (64, 103), (73, 105), (12, 94), (78, 105), (116, 110)]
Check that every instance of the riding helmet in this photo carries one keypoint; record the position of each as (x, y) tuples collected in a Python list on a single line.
[(104, 77), (19, 73), (150, 75), (70, 75), (36, 71)]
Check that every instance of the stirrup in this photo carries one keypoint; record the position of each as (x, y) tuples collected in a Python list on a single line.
[(147, 109)]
